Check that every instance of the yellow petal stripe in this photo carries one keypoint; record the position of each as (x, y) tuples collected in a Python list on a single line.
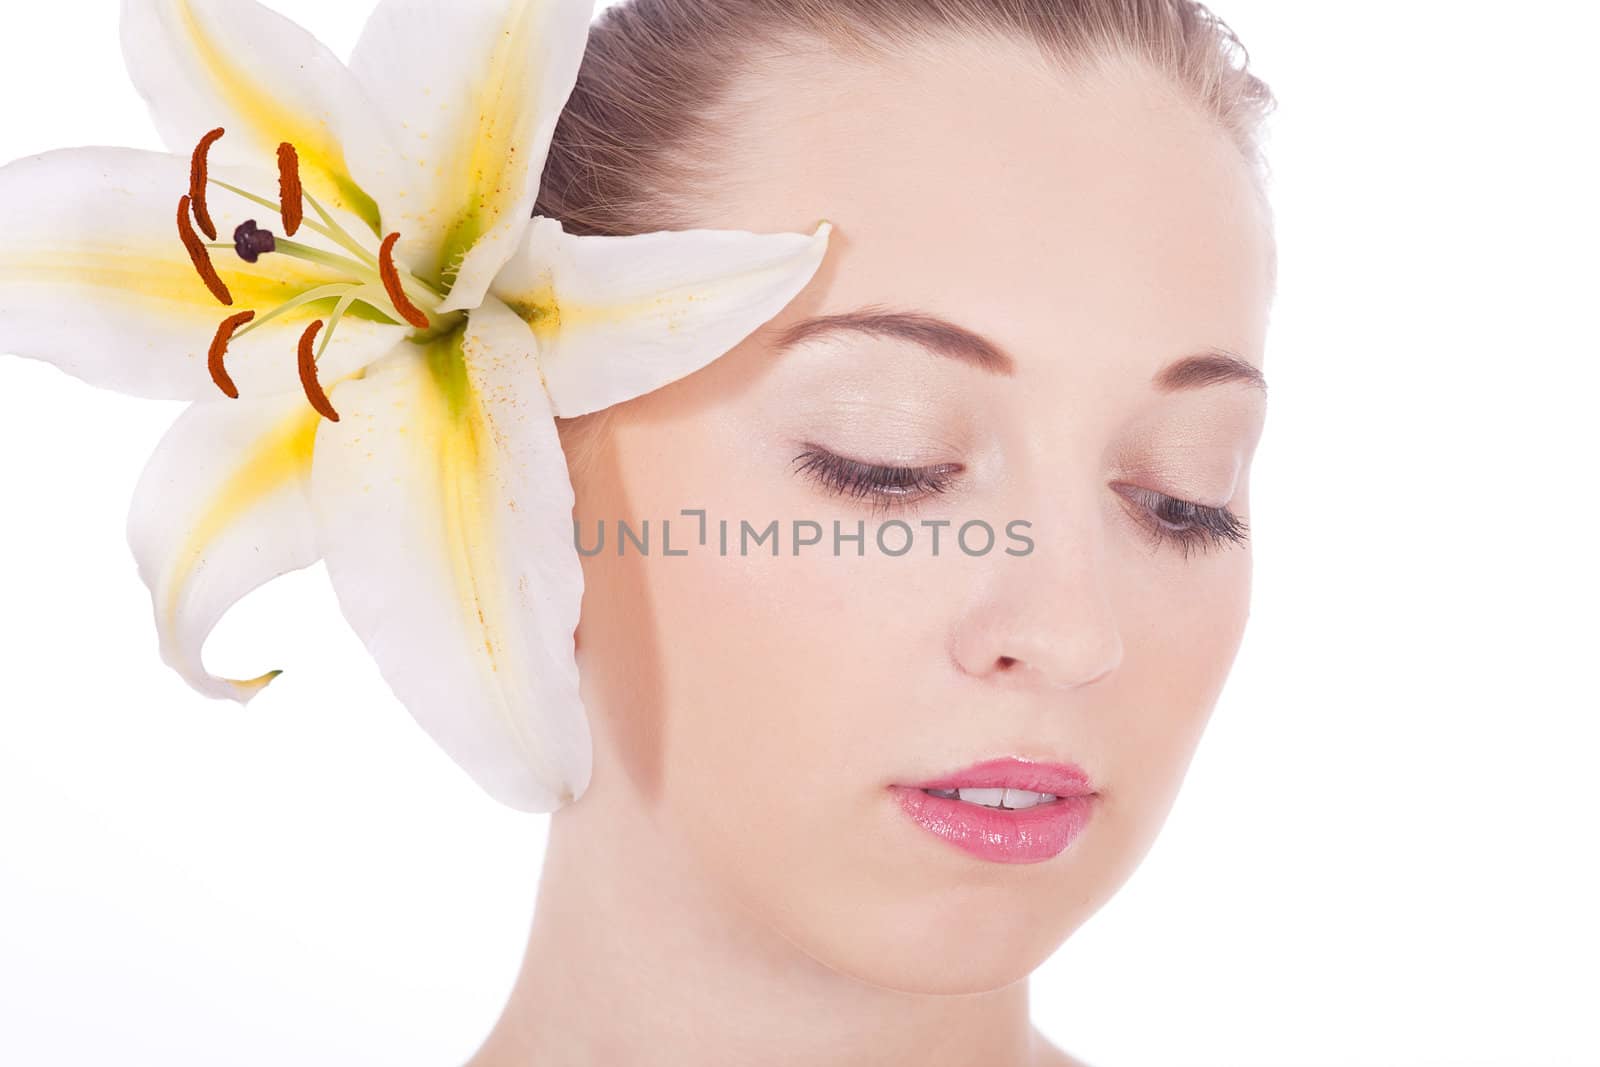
[(454, 422), (269, 122), (164, 275), (282, 458), (484, 172)]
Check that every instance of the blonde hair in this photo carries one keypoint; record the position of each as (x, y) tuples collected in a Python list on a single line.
[(638, 142)]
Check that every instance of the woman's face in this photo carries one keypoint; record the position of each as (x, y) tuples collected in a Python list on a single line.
[(759, 707)]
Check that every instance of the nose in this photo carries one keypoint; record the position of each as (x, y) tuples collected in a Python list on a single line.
[(1044, 620)]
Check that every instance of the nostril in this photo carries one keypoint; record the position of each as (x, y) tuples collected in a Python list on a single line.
[(1006, 662)]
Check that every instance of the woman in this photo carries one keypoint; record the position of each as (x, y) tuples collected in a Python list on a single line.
[(1074, 182), (900, 617)]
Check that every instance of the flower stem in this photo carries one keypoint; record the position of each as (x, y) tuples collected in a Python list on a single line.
[(308, 297), (341, 236), (297, 250)]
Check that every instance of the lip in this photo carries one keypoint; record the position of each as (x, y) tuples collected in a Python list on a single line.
[(1027, 835), (1009, 772)]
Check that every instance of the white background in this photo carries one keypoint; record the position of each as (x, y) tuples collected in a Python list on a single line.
[(1385, 850)]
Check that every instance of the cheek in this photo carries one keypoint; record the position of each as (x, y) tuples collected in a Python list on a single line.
[(1190, 640), (1183, 624), (776, 685), (752, 698)]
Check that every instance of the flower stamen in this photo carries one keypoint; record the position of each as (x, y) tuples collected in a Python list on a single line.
[(339, 310), (289, 190), (219, 348), (337, 234), (308, 374), (250, 242), (391, 284), (310, 296), (197, 183), (199, 256), (358, 277)]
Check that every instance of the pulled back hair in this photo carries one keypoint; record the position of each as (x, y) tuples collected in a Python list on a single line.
[(661, 78), (663, 84)]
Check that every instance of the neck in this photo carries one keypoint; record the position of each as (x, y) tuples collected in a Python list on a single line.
[(634, 958)]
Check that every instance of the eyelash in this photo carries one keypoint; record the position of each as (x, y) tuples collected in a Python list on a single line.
[(1167, 519), (1199, 527), (893, 488)]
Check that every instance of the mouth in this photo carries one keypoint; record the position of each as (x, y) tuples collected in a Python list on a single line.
[(1006, 810), (1009, 783), (999, 798)]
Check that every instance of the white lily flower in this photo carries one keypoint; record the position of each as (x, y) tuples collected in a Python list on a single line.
[(394, 370)]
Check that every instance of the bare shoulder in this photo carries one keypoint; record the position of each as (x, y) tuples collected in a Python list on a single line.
[(1047, 1055)]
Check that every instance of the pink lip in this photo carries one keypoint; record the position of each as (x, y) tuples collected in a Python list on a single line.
[(1029, 835), (1062, 779)]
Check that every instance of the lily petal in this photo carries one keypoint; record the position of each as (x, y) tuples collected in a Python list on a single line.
[(235, 64), (94, 278), (222, 507), (445, 515), (476, 87), (617, 317)]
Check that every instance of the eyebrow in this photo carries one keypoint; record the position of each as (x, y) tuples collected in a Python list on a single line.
[(1212, 366)]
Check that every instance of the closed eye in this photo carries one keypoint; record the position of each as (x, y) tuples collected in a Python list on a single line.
[(1170, 521), (885, 486), (1183, 523)]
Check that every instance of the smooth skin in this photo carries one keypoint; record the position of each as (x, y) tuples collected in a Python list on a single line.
[(738, 885)]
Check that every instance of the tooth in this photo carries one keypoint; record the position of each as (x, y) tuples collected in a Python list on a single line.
[(991, 797), (949, 794), (1021, 798), (1045, 798)]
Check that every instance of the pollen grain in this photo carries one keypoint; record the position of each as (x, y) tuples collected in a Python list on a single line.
[(197, 183), (290, 194), (219, 349), (308, 373), (391, 283), (199, 256)]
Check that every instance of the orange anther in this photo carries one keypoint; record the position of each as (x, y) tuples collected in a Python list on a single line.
[(290, 195), (219, 348), (197, 183), (391, 283), (308, 374), (199, 255)]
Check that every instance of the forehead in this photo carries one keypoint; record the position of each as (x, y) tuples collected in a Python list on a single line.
[(1092, 216)]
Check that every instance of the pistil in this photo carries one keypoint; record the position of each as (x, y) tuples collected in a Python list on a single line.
[(251, 242)]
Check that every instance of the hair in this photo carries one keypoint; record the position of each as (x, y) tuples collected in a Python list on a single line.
[(662, 84)]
